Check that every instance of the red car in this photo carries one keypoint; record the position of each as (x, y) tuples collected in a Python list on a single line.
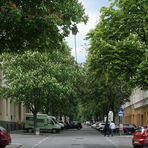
[(5, 138), (140, 137)]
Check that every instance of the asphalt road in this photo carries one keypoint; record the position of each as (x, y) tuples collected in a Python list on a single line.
[(73, 138)]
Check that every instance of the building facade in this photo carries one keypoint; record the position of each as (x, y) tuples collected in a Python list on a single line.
[(11, 114), (136, 111)]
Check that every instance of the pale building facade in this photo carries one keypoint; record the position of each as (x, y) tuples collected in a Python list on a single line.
[(11, 114), (136, 111)]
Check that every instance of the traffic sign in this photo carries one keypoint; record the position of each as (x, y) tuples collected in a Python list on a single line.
[(121, 111), (121, 114)]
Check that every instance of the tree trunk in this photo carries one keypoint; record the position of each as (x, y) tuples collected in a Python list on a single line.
[(35, 122)]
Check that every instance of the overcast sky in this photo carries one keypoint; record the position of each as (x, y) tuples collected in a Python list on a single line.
[(92, 9)]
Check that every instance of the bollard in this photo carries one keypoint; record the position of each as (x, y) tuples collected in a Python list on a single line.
[(121, 129), (37, 131)]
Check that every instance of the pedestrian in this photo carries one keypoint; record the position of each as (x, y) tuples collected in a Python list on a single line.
[(106, 129), (112, 127)]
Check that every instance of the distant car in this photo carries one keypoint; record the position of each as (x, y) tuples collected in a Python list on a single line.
[(66, 125), (100, 127), (95, 125), (127, 128), (140, 137), (87, 123), (5, 138), (75, 124), (62, 124)]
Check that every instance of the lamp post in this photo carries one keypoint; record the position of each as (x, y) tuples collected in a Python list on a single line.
[(75, 43), (74, 32)]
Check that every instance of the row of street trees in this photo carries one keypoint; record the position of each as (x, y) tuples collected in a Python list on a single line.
[(117, 56), (38, 68), (40, 71)]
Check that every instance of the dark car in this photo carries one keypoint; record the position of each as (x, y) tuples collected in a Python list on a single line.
[(127, 128), (140, 137), (76, 125), (5, 138)]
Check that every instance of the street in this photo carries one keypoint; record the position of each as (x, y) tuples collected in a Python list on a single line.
[(72, 138)]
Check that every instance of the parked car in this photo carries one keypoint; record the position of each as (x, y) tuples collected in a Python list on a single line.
[(95, 125), (44, 123), (100, 126), (62, 124), (57, 122), (67, 125), (5, 138), (140, 137), (127, 128), (87, 123), (75, 124)]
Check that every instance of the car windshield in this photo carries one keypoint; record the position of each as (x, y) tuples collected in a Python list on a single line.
[(54, 120)]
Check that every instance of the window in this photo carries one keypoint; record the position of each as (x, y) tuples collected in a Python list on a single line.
[(31, 119), (50, 121)]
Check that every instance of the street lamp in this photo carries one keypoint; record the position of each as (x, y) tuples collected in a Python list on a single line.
[(74, 32), (75, 42)]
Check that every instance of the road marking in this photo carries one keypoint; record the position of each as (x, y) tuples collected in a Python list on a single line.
[(112, 142), (40, 142)]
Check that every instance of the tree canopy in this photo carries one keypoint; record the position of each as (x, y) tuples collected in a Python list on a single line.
[(41, 81), (117, 52), (38, 25)]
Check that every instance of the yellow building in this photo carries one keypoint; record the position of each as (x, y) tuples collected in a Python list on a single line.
[(136, 111)]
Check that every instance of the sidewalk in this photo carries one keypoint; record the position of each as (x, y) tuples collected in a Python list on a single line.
[(128, 136), (16, 134), (14, 146), (21, 132)]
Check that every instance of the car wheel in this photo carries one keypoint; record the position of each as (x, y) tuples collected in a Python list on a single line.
[(26, 131), (78, 128), (3, 146), (54, 131)]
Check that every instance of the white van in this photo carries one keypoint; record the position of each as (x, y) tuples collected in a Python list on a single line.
[(55, 120), (44, 123)]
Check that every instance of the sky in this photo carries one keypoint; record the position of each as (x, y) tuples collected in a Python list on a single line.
[(92, 9)]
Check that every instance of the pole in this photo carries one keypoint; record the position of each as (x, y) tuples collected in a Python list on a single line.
[(75, 47)]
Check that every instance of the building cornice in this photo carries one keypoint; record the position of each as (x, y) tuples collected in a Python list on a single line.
[(141, 103)]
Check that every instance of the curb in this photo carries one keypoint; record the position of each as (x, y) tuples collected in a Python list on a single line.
[(128, 136), (14, 146)]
